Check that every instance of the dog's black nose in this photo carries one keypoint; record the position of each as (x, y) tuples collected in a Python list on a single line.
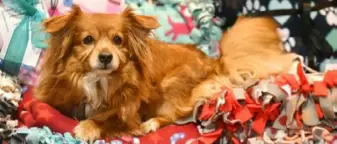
[(105, 57)]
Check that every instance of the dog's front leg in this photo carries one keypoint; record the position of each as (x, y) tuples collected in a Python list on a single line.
[(108, 124), (155, 123), (87, 130), (90, 129), (121, 119)]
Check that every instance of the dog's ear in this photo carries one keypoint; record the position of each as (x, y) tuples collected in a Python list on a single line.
[(57, 23), (61, 29), (138, 28), (139, 23)]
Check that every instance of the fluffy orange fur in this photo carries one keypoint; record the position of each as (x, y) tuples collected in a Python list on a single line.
[(148, 88), (251, 50), (149, 84)]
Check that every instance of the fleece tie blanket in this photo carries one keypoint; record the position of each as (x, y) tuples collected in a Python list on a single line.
[(287, 108), (183, 22)]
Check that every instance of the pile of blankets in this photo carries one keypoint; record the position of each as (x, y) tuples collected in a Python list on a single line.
[(287, 108)]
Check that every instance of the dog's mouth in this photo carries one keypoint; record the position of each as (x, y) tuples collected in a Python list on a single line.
[(104, 69)]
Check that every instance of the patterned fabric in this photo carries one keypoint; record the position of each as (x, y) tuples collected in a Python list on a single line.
[(289, 108), (325, 21), (43, 136), (207, 33), (59, 7), (167, 135), (175, 20), (273, 110), (24, 34), (10, 95), (267, 111), (183, 22)]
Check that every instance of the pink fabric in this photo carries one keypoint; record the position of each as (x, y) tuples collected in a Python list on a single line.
[(90, 6)]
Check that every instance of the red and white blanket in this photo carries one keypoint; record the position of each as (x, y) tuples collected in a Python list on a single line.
[(287, 108)]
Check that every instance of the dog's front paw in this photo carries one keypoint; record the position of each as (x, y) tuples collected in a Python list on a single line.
[(151, 125), (87, 131), (136, 132)]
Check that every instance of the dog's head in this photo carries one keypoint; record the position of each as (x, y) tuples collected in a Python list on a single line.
[(96, 42)]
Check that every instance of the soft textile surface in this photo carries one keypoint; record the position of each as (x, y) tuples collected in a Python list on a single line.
[(167, 135), (33, 114), (10, 95), (289, 108), (184, 22)]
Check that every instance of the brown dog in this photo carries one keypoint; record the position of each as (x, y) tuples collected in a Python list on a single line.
[(132, 83)]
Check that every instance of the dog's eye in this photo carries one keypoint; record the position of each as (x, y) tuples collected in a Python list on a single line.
[(88, 40), (117, 40)]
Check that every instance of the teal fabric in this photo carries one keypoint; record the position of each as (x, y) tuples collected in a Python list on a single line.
[(208, 29), (31, 22), (45, 136), (163, 13), (332, 37), (206, 34), (16, 48)]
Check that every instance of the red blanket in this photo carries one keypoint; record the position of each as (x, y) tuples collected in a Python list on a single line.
[(33, 113)]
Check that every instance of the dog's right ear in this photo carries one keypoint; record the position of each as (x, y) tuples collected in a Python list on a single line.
[(61, 29), (57, 23)]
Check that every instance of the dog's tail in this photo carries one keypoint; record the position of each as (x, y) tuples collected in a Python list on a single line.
[(253, 49)]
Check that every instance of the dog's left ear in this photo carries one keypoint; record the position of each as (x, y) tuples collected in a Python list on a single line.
[(138, 28), (140, 23)]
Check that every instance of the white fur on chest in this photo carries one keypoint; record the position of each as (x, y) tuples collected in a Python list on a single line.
[(93, 96)]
